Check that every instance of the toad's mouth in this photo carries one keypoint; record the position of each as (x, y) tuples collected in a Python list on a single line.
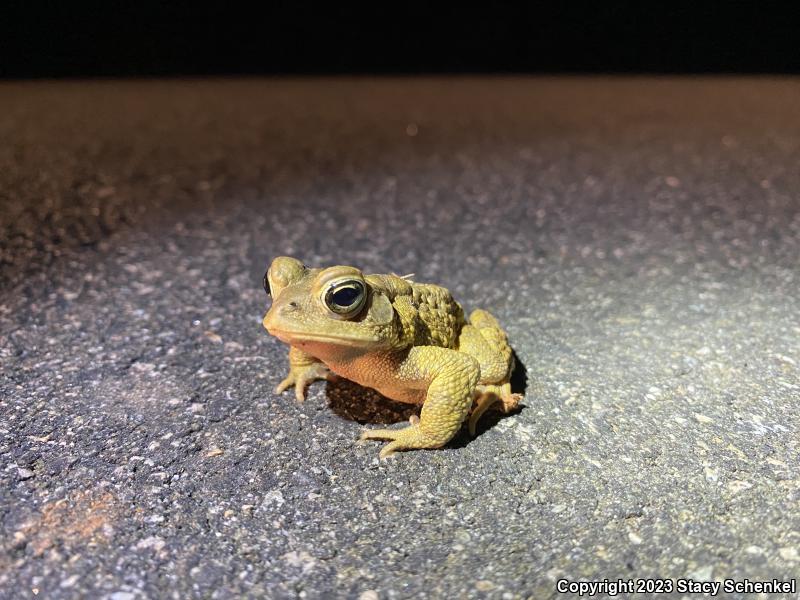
[(302, 337)]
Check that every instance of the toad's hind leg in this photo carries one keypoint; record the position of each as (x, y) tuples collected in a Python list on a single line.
[(452, 378), (484, 340)]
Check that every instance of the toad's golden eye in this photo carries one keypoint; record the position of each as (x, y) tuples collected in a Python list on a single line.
[(346, 297)]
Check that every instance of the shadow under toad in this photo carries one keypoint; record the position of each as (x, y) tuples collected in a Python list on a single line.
[(366, 406)]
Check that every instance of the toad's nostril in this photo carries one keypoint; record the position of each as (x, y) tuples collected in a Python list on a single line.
[(289, 307)]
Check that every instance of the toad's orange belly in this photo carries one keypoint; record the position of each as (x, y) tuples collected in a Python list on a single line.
[(381, 373), (407, 395)]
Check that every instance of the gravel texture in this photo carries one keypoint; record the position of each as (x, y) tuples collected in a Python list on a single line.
[(639, 239)]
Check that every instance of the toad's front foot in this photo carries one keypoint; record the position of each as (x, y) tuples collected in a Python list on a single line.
[(408, 438), (302, 376)]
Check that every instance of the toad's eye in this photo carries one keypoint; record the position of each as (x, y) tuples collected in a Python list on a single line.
[(266, 284), (346, 298)]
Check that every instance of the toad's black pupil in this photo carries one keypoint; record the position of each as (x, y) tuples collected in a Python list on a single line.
[(345, 296)]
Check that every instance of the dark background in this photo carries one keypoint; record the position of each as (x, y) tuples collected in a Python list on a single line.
[(117, 39)]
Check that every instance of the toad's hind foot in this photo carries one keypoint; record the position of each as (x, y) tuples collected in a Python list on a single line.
[(408, 438), (491, 396)]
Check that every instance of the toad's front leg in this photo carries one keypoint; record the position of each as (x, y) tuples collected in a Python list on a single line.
[(452, 377), (303, 370)]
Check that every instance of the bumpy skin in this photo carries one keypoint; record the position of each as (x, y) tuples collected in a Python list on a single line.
[(409, 341)]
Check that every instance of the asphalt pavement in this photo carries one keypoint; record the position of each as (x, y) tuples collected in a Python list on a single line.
[(638, 238)]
